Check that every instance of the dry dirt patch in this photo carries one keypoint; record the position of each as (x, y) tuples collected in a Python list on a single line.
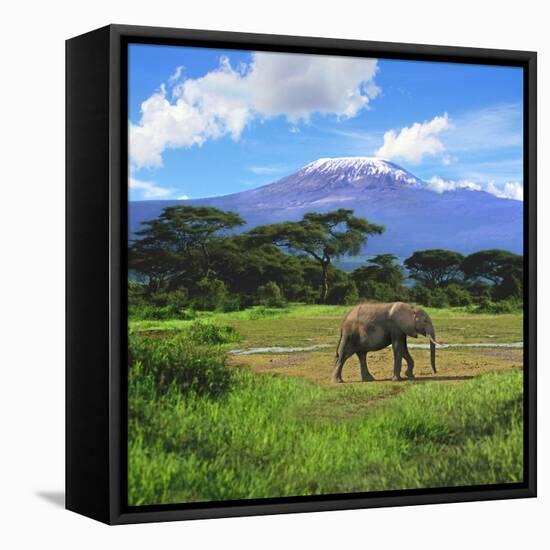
[(454, 365)]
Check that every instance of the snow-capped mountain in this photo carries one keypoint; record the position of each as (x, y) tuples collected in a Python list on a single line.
[(355, 169), (332, 179), (415, 217)]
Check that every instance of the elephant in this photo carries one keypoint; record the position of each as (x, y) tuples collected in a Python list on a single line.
[(374, 326)]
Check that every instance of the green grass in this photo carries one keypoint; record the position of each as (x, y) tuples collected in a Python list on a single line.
[(303, 325), (199, 431), (276, 436)]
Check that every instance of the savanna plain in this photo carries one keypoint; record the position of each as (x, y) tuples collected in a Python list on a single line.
[(239, 405)]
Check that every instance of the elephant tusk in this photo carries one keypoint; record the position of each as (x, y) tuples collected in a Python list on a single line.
[(434, 341)]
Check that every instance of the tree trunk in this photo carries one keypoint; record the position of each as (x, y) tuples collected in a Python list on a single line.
[(324, 282)]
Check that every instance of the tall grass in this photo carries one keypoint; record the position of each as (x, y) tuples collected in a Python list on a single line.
[(269, 436), (291, 311)]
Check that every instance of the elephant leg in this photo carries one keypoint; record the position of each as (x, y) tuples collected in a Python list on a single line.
[(343, 355), (410, 361), (366, 376), (397, 357)]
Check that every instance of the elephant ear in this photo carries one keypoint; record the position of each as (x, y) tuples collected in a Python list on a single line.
[(403, 315)]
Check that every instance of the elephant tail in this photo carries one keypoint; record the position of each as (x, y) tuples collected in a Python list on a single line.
[(338, 346)]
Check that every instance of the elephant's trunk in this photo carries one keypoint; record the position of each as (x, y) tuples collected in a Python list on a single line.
[(430, 333)]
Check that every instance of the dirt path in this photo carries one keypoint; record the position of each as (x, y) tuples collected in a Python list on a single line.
[(454, 364)]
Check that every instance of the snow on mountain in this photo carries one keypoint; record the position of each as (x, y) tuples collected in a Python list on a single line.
[(352, 169), (329, 180), (414, 216)]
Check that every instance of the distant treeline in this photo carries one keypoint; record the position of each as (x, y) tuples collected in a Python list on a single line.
[(189, 259)]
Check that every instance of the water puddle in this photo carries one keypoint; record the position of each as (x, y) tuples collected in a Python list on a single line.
[(280, 349)]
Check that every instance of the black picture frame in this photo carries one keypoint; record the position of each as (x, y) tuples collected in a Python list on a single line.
[(96, 237)]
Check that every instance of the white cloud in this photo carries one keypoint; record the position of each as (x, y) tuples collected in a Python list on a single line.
[(448, 159), (297, 86), (440, 185), (294, 130), (184, 197), (223, 101), (267, 170), (173, 78), (507, 190), (147, 189), (414, 142)]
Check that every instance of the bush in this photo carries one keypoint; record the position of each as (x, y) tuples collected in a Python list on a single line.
[(438, 298), (262, 312), (156, 313), (479, 290), (452, 295), (211, 295), (232, 303), (177, 299), (209, 333), (270, 295), (505, 306), (344, 293), (160, 306), (380, 292), (305, 294), (150, 312), (136, 293), (458, 296), (420, 295), (180, 361)]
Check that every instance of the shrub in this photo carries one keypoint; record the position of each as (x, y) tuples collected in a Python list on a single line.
[(479, 290), (344, 293), (305, 294), (438, 298), (380, 292), (504, 306), (156, 313), (421, 295), (262, 312), (136, 293), (176, 299), (458, 296), (160, 306), (211, 295), (150, 312), (270, 295), (232, 303), (209, 333), (160, 363), (451, 295)]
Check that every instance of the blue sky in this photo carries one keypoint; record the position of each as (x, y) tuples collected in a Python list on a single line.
[(206, 122)]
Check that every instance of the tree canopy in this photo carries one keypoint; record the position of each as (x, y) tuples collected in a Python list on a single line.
[(504, 269), (191, 257), (384, 269), (436, 267), (181, 233), (323, 237)]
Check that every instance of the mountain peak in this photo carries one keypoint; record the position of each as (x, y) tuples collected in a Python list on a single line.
[(351, 169), (415, 217), (335, 163)]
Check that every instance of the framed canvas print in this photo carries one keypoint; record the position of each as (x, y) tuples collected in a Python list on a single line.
[(301, 274)]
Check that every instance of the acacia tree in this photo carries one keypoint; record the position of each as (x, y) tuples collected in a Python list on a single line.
[(384, 269), (502, 268), (165, 246), (323, 237), (434, 267)]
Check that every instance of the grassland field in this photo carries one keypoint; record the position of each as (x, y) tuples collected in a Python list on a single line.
[(282, 429)]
